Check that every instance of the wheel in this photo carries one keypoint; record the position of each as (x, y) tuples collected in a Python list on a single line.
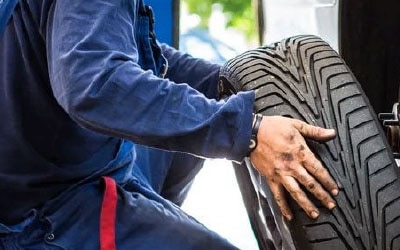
[(302, 77)]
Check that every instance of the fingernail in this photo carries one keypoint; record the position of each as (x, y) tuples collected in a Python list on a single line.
[(314, 214), (335, 192), (331, 205), (289, 217)]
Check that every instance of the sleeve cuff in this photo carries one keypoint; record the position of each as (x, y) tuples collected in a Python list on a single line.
[(240, 148)]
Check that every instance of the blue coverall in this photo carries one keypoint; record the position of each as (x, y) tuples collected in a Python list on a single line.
[(80, 91)]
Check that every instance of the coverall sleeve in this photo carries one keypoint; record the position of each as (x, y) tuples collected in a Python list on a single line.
[(95, 77), (198, 73)]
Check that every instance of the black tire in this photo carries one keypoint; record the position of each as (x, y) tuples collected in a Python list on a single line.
[(302, 77)]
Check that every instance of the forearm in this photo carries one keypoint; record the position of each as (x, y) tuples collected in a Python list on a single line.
[(198, 73)]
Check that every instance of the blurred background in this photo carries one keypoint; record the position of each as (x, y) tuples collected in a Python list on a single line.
[(217, 31)]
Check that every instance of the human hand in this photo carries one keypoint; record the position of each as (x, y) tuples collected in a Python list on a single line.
[(283, 157)]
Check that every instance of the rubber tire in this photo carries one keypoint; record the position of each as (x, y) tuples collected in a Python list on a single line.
[(303, 77)]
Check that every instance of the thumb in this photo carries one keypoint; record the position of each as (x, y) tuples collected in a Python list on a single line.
[(314, 132)]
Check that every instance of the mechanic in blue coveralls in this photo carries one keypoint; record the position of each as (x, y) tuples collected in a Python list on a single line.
[(82, 86)]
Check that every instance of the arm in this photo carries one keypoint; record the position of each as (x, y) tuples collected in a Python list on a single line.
[(198, 73), (95, 77)]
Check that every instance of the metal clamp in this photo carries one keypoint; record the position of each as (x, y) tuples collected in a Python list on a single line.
[(391, 125)]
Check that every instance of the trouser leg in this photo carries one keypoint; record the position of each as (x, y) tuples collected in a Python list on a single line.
[(155, 223), (183, 170)]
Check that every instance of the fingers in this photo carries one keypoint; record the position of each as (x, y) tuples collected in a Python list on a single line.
[(279, 196), (315, 188), (313, 132), (293, 188), (320, 173), (300, 197)]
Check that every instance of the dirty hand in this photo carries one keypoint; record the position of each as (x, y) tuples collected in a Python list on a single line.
[(283, 157)]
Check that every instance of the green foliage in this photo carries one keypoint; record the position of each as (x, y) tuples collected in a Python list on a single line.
[(240, 14)]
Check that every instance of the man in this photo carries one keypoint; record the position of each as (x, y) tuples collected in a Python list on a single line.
[(82, 80)]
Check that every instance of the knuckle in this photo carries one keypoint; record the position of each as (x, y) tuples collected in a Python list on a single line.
[(301, 155), (311, 131), (277, 172), (308, 207), (326, 200), (293, 169), (316, 189), (317, 171), (282, 206), (322, 196), (323, 174), (287, 156), (311, 155), (302, 127), (317, 131), (292, 190), (329, 182), (278, 198), (311, 185), (310, 159), (271, 179), (297, 194), (303, 178), (291, 136)]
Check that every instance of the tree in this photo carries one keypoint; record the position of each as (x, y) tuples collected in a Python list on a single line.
[(240, 14)]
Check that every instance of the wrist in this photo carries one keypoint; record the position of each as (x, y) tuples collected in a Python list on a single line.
[(254, 131)]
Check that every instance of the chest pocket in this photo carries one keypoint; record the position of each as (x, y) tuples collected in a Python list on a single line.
[(150, 54)]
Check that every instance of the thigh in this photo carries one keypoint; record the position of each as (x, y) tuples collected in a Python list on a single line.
[(145, 220)]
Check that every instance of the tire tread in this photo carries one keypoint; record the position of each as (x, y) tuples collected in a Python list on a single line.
[(303, 78)]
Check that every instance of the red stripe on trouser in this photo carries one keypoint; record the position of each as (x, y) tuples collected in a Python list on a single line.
[(108, 214)]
